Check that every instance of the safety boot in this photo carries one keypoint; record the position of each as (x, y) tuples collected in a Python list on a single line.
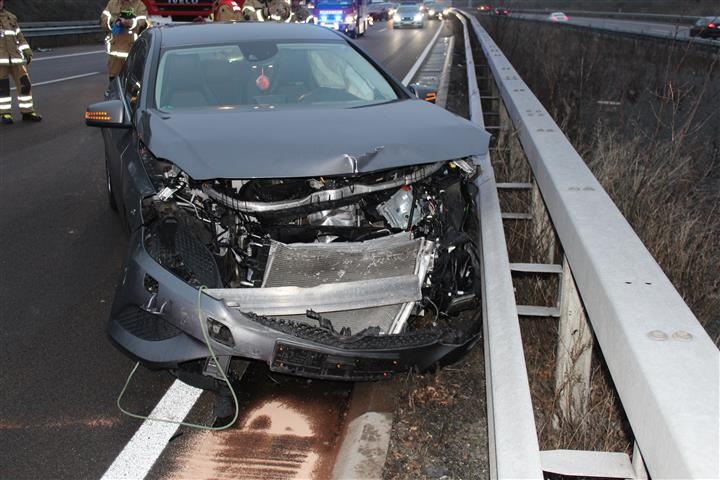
[(31, 117), (6, 118)]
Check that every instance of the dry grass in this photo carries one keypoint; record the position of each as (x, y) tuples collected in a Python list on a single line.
[(656, 154), (660, 191)]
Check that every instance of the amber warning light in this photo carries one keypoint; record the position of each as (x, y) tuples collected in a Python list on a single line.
[(103, 116)]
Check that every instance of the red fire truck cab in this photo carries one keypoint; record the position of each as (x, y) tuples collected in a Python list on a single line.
[(169, 11)]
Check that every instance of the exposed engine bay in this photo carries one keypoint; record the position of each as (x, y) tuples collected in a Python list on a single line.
[(372, 254)]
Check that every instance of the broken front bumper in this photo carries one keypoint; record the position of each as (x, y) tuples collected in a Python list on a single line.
[(157, 319)]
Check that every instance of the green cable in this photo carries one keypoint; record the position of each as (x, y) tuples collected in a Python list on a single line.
[(222, 372)]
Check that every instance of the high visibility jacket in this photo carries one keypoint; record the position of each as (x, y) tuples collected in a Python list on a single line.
[(227, 10), (270, 10), (119, 45), (14, 49)]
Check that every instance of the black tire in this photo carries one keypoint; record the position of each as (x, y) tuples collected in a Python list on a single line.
[(110, 194)]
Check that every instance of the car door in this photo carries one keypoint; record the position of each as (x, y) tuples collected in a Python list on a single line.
[(123, 142)]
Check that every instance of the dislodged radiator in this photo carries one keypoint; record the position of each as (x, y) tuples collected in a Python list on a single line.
[(357, 285)]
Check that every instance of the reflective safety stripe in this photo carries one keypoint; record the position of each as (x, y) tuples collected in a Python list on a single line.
[(260, 16), (25, 105), (118, 54), (9, 32), (289, 19), (107, 14), (275, 17), (5, 99), (12, 61), (17, 31), (25, 47), (309, 19), (248, 8), (4, 107), (141, 17), (24, 98)]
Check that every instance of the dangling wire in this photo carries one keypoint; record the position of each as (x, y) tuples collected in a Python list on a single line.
[(206, 337)]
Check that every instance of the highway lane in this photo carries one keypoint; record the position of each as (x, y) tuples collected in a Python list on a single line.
[(634, 26), (61, 250)]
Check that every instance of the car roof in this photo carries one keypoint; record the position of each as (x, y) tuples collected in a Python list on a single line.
[(176, 35)]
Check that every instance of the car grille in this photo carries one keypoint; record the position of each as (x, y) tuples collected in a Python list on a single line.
[(146, 326)]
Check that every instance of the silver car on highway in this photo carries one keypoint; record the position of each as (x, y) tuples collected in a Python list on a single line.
[(288, 201), (409, 15)]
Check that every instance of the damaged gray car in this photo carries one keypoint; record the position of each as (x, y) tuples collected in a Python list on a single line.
[(290, 200)]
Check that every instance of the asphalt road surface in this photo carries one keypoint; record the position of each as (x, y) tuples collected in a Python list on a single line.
[(61, 250), (634, 26)]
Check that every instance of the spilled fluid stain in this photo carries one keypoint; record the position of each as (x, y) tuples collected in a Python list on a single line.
[(93, 422), (286, 431)]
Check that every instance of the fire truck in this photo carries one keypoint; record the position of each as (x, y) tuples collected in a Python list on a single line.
[(168, 11), (351, 17)]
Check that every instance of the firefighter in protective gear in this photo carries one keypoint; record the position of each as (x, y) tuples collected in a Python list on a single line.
[(15, 54), (302, 14), (267, 10), (227, 11), (275, 11), (123, 20)]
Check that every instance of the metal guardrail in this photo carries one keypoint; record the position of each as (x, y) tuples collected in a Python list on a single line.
[(50, 29), (665, 367), (512, 439)]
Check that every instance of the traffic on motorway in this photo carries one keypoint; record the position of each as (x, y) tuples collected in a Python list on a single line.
[(707, 27)]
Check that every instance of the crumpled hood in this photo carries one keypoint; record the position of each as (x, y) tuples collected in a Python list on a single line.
[(305, 142)]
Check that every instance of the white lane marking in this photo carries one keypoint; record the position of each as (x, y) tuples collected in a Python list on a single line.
[(148, 443), (422, 56), (42, 59), (74, 77)]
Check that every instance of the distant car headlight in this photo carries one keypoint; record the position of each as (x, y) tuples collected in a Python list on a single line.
[(431, 12), (350, 19), (396, 18), (418, 17)]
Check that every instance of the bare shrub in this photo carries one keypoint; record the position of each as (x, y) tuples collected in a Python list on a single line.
[(657, 191)]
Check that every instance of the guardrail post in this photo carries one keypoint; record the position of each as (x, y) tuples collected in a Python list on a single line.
[(543, 234), (574, 353)]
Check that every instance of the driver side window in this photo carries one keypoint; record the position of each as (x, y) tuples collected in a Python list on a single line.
[(134, 69)]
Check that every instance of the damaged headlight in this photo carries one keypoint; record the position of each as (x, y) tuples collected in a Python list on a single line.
[(162, 173)]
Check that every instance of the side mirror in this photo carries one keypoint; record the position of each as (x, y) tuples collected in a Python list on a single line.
[(107, 114), (423, 92)]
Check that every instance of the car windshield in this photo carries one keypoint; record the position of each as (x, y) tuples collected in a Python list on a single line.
[(268, 74), (408, 9)]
